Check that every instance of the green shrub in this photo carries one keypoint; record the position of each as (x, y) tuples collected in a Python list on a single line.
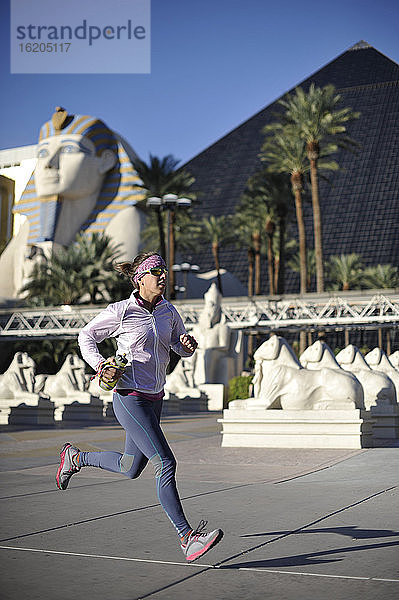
[(239, 387)]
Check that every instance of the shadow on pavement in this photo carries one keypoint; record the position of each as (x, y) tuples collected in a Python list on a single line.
[(306, 559), (353, 532)]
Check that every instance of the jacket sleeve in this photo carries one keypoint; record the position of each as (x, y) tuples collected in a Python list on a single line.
[(103, 326), (177, 330)]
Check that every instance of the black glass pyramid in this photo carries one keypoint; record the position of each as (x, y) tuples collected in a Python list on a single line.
[(360, 203)]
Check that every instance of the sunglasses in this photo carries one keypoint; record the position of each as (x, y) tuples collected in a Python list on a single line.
[(156, 271)]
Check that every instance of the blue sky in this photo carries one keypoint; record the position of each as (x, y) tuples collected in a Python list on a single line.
[(215, 63)]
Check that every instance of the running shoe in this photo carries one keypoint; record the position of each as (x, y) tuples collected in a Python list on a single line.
[(199, 542), (68, 466)]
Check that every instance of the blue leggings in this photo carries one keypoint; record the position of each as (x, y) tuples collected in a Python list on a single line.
[(145, 442)]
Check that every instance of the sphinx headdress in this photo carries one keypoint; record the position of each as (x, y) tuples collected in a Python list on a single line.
[(119, 189)]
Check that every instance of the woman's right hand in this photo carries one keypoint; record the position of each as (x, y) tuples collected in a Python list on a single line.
[(111, 372)]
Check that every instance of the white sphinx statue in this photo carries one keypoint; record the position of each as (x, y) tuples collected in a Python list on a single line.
[(70, 386), (84, 182), (377, 386), (70, 379), (394, 359), (280, 381), (219, 355), (18, 388), (319, 355), (18, 381), (379, 361)]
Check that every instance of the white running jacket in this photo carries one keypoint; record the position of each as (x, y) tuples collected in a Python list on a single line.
[(143, 336)]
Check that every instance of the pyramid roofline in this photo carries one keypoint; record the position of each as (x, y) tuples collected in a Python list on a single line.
[(361, 45)]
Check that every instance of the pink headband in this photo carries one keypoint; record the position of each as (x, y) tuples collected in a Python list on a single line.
[(149, 263)]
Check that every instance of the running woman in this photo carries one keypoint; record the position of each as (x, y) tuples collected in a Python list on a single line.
[(145, 326)]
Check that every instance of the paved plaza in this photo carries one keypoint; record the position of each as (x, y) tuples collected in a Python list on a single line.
[(299, 524)]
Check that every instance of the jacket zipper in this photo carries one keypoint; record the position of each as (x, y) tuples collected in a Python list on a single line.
[(156, 346)]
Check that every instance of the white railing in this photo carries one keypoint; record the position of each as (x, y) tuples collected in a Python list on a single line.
[(378, 309)]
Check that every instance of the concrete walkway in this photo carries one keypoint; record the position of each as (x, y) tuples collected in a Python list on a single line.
[(299, 524)]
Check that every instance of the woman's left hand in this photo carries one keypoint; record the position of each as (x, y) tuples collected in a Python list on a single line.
[(188, 342)]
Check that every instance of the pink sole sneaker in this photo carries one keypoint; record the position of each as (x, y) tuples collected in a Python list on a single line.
[(67, 467), (211, 544), (199, 542)]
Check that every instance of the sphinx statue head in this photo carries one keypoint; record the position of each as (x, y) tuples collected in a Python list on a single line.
[(84, 182), (82, 178), (74, 154)]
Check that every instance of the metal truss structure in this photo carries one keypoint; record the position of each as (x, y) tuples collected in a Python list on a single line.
[(347, 311), (313, 313), (45, 323)]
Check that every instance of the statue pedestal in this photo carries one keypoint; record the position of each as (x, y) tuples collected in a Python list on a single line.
[(184, 402), (68, 409), (216, 393), (40, 413), (385, 423), (296, 428)]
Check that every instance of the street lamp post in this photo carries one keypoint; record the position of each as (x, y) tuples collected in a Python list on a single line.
[(185, 268), (170, 203)]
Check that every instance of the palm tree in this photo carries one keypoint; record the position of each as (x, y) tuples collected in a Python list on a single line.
[(265, 207), (260, 212), (187, 231), (294, 264), (320, 122), (270, 228), (244, 238), (97, 254), (345, 271), (160, 177), (253, 211), (276, 194), (284, 152), (70, 275), (381, 276), (219, 232), (55, 281)]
